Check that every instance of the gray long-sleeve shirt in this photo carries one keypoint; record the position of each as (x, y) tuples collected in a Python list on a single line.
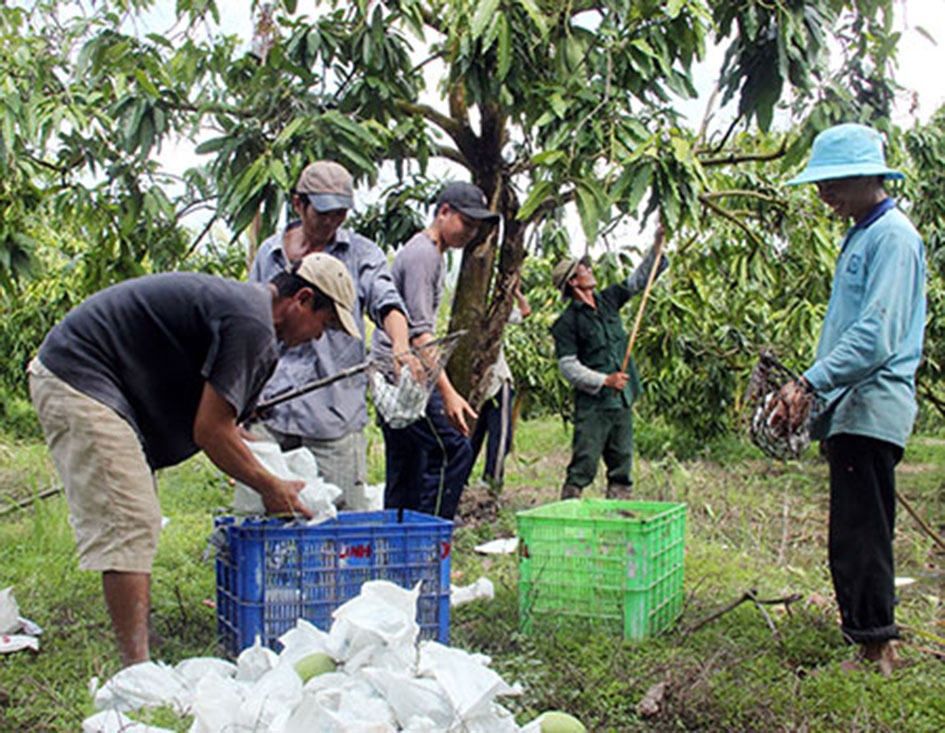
[(338, 409)]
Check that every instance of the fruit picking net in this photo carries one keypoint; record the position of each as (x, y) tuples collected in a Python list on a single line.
[(789, 436), (401, 399), (399, 396)]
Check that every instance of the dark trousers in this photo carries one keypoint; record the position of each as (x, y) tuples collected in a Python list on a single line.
[(428, 463), (862, 516), (495, 420), (601, 433)]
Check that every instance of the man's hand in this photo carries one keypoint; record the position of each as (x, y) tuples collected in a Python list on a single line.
[(457, 410), (216, 433), (616, 380), (789, 409), (282, 499), (413, 364), (246, 434)]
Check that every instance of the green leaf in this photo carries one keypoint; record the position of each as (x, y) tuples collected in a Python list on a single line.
[(558, 105), (640, 183), (588, 205), (146, 84), (548, 157), (279, 174), (504, 48), (540, 21), (484, 15), (536, 197)]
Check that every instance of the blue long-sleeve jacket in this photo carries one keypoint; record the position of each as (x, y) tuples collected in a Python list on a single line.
[(871, 342)]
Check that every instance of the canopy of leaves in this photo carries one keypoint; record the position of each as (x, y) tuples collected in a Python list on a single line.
[(550, 106)]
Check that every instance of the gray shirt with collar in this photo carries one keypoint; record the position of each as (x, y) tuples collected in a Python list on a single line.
[(331, 412)]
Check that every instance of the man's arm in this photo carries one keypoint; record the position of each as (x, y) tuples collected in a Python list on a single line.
[(894, 279), (636, 282), (395, 326), (577, 374), (216, 433), (455, 406), (588, 380)]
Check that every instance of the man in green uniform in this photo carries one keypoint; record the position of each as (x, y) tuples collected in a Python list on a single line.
[(590, 343)]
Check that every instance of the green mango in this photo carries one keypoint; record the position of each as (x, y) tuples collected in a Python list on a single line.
[(554, 721), (314, 664)]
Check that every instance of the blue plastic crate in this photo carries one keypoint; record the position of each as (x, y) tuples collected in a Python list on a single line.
[(270, 574)]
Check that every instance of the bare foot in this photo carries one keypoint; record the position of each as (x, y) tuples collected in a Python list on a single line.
[(883, 654)]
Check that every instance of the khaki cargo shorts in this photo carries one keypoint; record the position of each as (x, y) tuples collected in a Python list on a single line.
[(110, 488)]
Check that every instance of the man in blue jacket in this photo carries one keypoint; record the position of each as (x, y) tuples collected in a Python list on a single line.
[(869, 350)]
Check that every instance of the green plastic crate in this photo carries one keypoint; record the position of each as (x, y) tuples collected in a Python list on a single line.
[(616, 562)]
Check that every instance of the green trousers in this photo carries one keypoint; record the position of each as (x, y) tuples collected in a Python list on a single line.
[(606, 433)]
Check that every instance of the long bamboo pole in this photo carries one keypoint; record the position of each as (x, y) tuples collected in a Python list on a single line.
[(658, 251)]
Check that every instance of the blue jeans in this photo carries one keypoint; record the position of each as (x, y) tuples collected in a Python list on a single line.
[(495, 418), (428, 463)]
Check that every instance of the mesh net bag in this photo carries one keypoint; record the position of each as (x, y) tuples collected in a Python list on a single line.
[(780, 432), (399, 396), (401, 399)]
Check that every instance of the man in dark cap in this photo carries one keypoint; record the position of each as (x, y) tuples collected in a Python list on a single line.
[(428, 462), (870, 347)]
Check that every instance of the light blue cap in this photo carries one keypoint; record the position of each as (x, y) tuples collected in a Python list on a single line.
[(846, 151)]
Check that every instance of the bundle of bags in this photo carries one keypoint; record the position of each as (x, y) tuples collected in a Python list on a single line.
[(366, 674)]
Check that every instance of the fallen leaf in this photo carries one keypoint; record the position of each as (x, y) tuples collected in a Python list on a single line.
[(650, 704)]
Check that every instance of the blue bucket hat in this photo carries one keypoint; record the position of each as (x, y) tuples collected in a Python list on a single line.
[(846, 151)]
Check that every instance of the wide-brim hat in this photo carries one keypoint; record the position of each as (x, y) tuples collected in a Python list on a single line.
[(564, 271), (327, 185), (332, 278), (846, 151)]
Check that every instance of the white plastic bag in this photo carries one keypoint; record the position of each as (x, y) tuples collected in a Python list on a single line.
[(470, 685), (255, 661), (379, 622), (144, 685), (417, 703), (301, 640), (318, 496), (112, 721), (17, 643), (217, 702), (275, 692), (196, 668), (341, 705), (482, 589), (9, 612)]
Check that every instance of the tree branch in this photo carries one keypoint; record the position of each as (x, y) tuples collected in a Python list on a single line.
[(746, 193), (749, 595), (453, 154), (735, 158), (921, 522), (450, 126), (549, 204), (709, 203)]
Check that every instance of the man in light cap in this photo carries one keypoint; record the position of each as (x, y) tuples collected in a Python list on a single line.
[(143, 375), (428, 462), (869, 349), (590, 344), (330, 421)]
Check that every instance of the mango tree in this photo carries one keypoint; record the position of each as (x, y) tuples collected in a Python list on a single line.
[(549, 106)]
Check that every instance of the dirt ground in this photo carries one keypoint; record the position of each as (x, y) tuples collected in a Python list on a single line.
[(479, 505)]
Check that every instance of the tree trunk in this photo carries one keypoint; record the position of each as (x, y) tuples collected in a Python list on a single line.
[(485, 317)]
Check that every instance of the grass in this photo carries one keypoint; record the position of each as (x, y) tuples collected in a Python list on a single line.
[(751, 524)]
